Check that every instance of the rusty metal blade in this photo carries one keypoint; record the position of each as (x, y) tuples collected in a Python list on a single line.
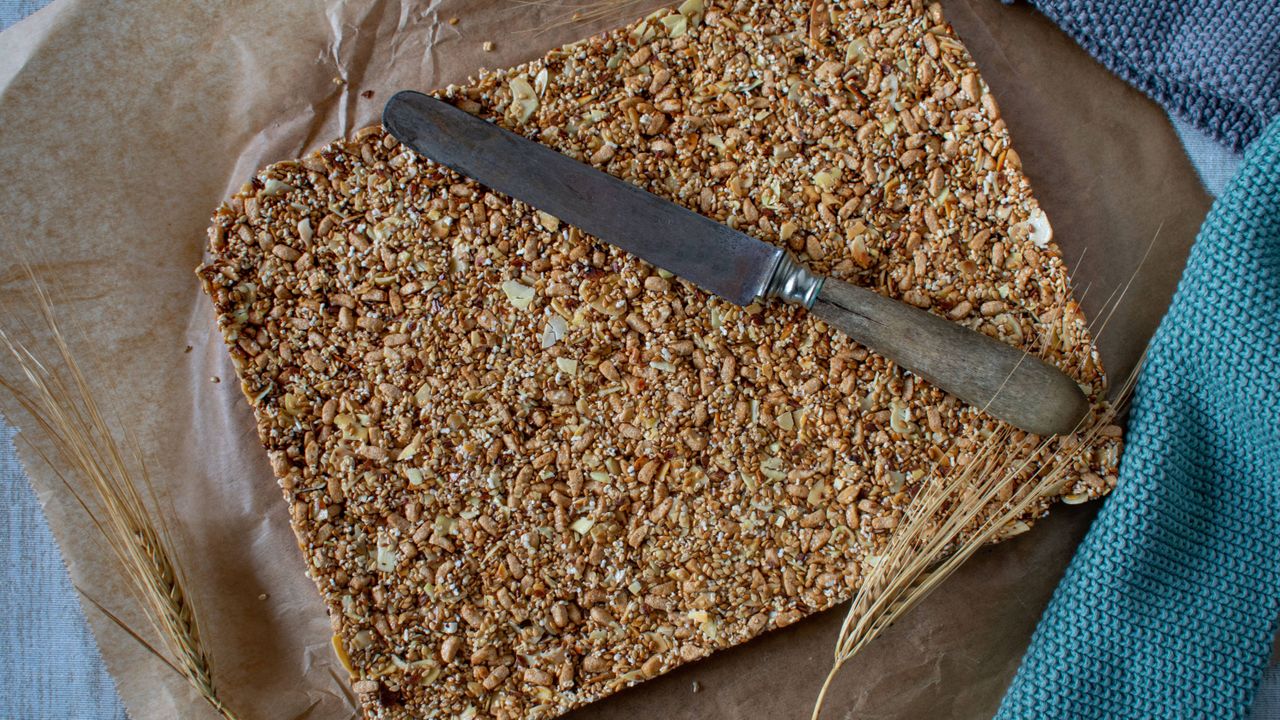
[(716, 258)]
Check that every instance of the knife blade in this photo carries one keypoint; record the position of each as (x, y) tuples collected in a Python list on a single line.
[(1000, 379), (716, 258)]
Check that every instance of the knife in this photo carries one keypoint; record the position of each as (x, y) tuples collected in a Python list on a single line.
[(1004, 381)]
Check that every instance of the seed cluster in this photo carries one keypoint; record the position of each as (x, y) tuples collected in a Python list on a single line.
[(528, 470)]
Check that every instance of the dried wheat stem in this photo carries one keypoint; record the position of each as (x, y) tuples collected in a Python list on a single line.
[(576, 12), (939, 536), (109, 484), (925, 553)]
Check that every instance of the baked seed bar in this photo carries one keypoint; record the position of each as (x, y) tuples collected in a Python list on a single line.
[(528, 470)]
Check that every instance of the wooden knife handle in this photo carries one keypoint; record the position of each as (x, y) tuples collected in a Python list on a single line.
[(1011, 385)]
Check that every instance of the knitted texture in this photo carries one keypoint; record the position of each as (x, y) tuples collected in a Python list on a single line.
[(1214, 63), (1169, 606)]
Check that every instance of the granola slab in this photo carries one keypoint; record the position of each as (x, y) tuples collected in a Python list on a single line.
[(526, 469)]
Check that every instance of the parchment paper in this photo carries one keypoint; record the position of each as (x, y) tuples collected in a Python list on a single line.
[(125, 125)]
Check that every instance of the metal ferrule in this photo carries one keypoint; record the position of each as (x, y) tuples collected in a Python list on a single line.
[(792, 282)]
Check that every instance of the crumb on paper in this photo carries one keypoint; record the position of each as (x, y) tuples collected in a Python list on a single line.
[(487, 46)]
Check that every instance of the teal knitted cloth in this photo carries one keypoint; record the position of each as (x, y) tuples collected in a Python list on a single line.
[(1169, 607)]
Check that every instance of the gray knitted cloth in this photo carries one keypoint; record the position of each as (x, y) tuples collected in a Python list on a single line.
[(1214, 63)]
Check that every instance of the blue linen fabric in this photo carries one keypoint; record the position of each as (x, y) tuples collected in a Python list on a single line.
[(1169, 607), (49, 663), (1214, 162)]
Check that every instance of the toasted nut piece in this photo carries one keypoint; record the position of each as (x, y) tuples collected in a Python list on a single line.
[(496, 676), (450, 648)]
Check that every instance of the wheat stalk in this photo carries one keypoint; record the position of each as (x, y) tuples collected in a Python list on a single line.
[(585, 11), (108, 483), (940, 533), (939, 536)]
